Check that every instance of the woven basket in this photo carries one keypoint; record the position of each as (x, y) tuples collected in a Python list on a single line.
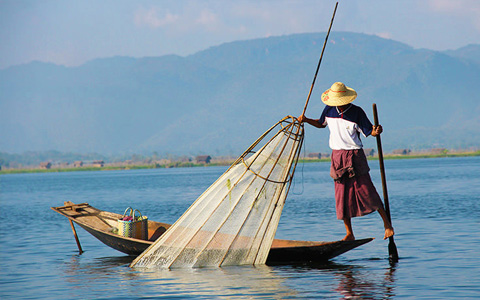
[(136, 228), (140, 226)]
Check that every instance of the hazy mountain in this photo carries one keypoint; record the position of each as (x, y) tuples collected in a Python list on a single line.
[(470, 52), (218, 101)]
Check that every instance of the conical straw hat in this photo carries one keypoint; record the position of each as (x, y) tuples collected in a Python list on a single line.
[(338, 94)]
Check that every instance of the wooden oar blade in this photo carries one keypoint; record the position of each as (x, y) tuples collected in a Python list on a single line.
[(392, 251)]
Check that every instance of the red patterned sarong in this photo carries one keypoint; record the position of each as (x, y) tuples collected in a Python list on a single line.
[(355, 194)]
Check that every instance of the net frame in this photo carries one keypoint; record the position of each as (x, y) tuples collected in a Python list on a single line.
[(183, 251)]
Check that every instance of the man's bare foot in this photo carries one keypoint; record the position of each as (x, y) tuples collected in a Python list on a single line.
[(349, 237), (388, 233)]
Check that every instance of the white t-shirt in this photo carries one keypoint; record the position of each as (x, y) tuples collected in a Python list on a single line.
[(345, 128)]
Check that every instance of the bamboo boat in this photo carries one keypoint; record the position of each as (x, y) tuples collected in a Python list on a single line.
[(102, 225)]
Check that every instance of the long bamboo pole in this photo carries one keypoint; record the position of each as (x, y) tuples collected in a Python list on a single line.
[(392, 248), (320, 60)]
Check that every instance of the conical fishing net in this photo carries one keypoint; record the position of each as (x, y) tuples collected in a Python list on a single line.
[(234, 221)]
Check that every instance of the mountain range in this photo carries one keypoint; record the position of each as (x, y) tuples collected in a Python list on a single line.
[(219, 100)]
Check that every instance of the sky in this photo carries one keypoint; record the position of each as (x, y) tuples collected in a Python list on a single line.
[(70, 33)]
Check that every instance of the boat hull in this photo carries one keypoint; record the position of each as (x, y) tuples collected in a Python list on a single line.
[(102, 225)]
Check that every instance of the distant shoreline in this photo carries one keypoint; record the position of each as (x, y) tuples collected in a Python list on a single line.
[(225, 163)]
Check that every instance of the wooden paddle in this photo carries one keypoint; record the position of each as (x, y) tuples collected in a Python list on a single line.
[(392, 248)]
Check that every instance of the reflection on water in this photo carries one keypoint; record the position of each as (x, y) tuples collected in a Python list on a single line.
[(98, 266), (277, 282), (227, 281), (352, 281), (241, 281), (358, 285)]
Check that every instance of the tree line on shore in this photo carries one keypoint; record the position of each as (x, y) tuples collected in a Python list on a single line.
[(57, 161)]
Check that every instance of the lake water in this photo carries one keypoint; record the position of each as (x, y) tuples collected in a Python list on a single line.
[(435, 205)]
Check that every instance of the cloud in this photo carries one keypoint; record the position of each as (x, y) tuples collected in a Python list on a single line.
[(462, 7), (185, 19), (465, 9), (385, 35), (207, 18), (153, 18)]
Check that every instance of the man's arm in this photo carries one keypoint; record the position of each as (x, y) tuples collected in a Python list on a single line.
[(313, 122)]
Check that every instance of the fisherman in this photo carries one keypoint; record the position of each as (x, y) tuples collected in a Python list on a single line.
[(355, 194)]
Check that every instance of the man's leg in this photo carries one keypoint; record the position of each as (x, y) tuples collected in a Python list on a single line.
[(388, 227), (348, 227)]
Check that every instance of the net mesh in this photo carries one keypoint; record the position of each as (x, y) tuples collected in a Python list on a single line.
[(234, 221)]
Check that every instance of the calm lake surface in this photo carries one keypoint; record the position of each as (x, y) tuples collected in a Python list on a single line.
[(435, 205)]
